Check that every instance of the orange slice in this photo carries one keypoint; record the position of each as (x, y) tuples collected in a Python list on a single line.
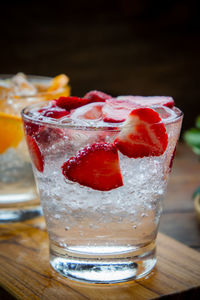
[(11, 132), (58, 82)]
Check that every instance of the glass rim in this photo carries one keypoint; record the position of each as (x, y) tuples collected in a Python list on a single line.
[(66, 122), (33, 78)]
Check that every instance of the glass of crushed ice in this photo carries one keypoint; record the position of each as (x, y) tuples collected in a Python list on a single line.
[(102, 166), (18, 197)]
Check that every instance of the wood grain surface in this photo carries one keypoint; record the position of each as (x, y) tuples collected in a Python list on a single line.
[(26, 274)]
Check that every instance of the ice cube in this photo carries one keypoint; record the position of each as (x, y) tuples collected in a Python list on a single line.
[(149, 100), (4, 88), (91, 111), (166, 114), (4, 84), (116, 110), (21, 87)]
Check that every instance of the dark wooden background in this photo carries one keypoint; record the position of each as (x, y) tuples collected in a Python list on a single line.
[(145, 47)]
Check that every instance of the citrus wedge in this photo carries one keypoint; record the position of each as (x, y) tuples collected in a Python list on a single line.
[(11, 132), (58, 82)]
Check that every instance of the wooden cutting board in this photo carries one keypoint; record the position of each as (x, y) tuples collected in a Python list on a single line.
[(25, 272)]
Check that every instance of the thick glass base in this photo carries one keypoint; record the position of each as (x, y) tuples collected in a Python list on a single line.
[(20, 214), (103, 269)]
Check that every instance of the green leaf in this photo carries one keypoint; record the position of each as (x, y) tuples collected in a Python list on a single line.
[(196, 150), (192, 137), (196, 192), (198, 122)]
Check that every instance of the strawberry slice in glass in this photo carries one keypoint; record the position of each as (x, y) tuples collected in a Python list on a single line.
[(143, 134)]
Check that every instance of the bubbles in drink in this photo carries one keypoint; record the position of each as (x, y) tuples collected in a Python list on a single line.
[(103, 181)]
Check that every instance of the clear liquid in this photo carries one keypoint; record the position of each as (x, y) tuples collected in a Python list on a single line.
[(116, 227), (18, 196), (16, 176)]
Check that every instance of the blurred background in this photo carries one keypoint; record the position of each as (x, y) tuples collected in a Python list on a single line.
[(121, 47)]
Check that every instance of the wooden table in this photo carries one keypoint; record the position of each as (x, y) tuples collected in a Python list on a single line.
[(25, 272), (179, 220)]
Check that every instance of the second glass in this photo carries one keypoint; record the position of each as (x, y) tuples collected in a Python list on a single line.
[(19, 199)]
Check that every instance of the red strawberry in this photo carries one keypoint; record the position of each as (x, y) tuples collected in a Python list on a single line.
[(35, 153), (54, 112), (142, 134), (150, 100), (69, 103), (31, 128), (172, 159), (95, 166), (47, 135), (97, 96), (116, 110)]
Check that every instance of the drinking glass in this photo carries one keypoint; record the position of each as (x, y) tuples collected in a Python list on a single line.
[(99, 236), (18, 195)]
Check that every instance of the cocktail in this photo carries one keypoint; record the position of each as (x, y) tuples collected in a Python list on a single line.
[(102, 171), (18, 196)]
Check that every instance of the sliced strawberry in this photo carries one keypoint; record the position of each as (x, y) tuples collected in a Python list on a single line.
[(150, 100), (35, 153), (91, 111), (142, 134), (69, 103), (31, 128), (47, 135), (95, 166), (172, 160), (116, 110), (54, 112), (97, 96)]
